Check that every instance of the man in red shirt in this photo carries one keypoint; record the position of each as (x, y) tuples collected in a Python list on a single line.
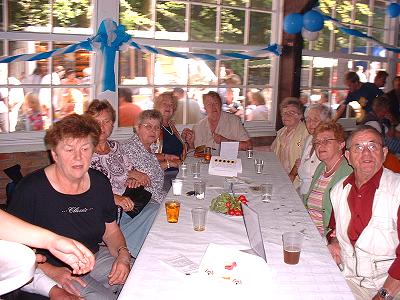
[(365, 222)]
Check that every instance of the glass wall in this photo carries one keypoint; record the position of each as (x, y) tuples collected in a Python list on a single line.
[(326, 60), (33, 94), (215, 25)]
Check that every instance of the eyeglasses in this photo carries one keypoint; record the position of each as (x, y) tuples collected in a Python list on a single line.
[(312, 120), (150, 127), (289, 113), (324, 142), (371, 146)]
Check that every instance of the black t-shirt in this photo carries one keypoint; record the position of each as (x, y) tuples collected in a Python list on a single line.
[(81, 217)]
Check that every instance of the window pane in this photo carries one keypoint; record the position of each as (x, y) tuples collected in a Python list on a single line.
[(263, 4), (29, 15), (203, 23), (235, 2), (28, 72), (171, 17), (170, 70), (202, 72), (72, 16), (260, 28), (188, 110), (342, 41), (232, 26), (360, 44), (134, 67), (323, 40), (363, 11), (128, 111), (232, 70), (136, 15), (321, 71), (1, 16), (259, 71), (379, 15)]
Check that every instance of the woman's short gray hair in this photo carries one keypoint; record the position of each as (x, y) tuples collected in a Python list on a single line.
[(325, 112), (149, 114)]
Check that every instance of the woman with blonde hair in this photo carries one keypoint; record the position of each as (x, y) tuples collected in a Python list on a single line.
[(329, 143)]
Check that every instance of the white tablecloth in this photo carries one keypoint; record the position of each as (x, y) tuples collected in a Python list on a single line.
[(315, 277)]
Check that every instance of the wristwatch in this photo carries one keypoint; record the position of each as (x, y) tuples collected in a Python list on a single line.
[(384, 294)]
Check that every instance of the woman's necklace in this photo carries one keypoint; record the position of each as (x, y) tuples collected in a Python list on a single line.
[(170, 132), (331, 169)]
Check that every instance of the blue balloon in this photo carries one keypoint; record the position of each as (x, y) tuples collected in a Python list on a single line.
[(313, 21), (393, 10), (293, 23)]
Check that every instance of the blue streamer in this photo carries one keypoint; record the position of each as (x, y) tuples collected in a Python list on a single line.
[(357, 33), (109, 39)]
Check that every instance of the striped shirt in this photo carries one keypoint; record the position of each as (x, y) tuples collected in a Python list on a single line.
[(315, 202)]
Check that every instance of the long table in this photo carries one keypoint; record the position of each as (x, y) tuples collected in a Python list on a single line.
[(315, 277)]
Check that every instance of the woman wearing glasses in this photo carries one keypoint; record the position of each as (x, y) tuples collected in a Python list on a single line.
[(329, 143), (290, 139), (140, 151), (306, 165), (128, 184)]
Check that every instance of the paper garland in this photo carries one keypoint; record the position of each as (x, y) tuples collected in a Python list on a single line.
[(111, 37)]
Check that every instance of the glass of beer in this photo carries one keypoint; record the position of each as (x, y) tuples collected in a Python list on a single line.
[(172, 210), (207, 154), (292, 242)]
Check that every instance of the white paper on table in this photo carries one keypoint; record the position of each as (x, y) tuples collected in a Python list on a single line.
[(231, 274), (181, 263), (229, 150), (224, 167)]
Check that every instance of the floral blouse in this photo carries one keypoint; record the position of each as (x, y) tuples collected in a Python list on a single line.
[(146, 162), (114, 165)]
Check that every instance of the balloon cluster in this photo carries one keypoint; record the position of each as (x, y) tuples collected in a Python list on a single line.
[(308, 24), (393, 10)]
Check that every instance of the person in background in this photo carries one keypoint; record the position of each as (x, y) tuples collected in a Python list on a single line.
[(127, 184), (140, 152), (290, 139), (217, 127), (3, 114), (14, 231), (127, 111), (305, 166), (365, 223), (329, 143), (33, 112), (193, 112), (363, 93), (70, 199), (380, 79), (258, 111), (394, 97)]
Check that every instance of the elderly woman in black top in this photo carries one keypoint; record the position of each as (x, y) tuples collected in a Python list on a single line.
[(72, 200)]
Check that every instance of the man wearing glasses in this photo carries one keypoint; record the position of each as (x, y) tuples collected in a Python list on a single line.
[(364, 236)]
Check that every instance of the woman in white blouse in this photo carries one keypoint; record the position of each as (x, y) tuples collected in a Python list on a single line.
[(308, 162)]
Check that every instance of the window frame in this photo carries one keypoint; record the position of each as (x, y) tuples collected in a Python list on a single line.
[(20, 141)]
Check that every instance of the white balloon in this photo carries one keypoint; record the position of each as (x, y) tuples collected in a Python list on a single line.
[(309, 35)]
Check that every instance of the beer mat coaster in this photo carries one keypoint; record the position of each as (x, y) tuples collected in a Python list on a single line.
[(181, 264)]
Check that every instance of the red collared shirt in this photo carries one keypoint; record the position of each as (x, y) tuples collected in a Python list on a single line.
[(360, 202)]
